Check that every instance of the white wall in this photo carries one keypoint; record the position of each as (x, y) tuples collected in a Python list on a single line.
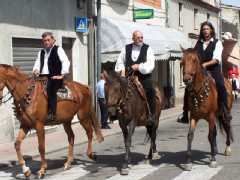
[(29, 19)]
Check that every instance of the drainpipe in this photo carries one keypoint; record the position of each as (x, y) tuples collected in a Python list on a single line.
[(98, 63)]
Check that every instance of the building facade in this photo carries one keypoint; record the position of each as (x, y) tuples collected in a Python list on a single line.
[(118, 23), (230, 19), (21, 26)]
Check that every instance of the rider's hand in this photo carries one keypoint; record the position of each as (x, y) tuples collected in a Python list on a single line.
[(58, 77), (36, 73), (135, 67)]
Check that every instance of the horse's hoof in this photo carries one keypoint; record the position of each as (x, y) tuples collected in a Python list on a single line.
[(67, 166), (156, 156), (27, 174), (124, 171), (41, 174), (147, 161), (213, 164), (92, 156), (228, 151), (188, 167)]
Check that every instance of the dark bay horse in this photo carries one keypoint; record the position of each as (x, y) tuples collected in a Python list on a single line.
[(31, 111), (203, 104), (131, 109)]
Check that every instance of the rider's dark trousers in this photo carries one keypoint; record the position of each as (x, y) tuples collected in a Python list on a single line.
[(150, 93), (52, 87), (222, 93)]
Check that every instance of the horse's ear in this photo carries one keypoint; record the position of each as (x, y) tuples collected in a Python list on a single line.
[(106, 75), (182, 49)]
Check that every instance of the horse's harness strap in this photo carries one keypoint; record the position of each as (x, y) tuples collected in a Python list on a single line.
[(198, 97)]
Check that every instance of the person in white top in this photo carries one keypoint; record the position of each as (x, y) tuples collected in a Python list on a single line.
[(139, 57), (209, 50), (53, 63)]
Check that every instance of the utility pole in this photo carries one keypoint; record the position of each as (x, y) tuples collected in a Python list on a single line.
[(91, 45)]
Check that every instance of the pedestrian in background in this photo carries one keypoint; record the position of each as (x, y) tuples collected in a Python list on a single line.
[(235, 86), (102, 102)]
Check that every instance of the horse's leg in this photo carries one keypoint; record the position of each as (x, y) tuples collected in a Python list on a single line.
[(21, 136), (86, 123), (41, 147), (127, 134), (191, 130), (212, 139), (153, 154), (228, 131), (70, 134)]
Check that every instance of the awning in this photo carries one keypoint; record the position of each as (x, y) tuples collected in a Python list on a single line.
[(165, 42)]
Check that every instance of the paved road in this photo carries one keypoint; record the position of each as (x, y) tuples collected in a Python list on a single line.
[(171, 143)]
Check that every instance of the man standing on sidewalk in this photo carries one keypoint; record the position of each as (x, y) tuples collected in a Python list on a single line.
[(102, 102)]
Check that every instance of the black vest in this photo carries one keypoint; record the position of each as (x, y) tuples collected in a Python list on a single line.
[(141, 59), (207, 54), (54, 63)]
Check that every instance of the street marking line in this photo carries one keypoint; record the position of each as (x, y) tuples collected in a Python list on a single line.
[(199, 172), (71, 174), (137, 172), (6, 176)]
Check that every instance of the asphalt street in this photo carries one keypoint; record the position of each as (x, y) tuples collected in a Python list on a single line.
[(171, 144)]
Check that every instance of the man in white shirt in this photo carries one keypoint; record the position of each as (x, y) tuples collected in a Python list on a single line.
[(53, 63), (139, 57)]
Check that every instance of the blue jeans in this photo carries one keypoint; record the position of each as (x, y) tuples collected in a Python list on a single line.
[(104, 111)]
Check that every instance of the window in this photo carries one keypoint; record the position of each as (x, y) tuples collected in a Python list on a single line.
[(195, 18), (180, 15), (208, 16)]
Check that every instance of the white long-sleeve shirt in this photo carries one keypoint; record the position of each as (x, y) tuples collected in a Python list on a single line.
[(144, 68), (62, 56)]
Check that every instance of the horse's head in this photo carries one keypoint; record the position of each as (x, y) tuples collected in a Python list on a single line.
[(113, 91), (10, 72), (191, 65)]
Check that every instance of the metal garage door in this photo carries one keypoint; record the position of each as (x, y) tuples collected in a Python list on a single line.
[(25, 52), (24, 55)]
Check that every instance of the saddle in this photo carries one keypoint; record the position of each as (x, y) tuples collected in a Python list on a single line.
[(139, 87), (63, 93)]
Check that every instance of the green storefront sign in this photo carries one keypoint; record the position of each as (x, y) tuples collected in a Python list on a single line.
[(143, 13)]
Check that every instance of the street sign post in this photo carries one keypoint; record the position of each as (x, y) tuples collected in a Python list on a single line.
[(81, 24), (143, 13)]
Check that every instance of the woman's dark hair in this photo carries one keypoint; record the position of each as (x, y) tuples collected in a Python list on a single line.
[(213, 34)]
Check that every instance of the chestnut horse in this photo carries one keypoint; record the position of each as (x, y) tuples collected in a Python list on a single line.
[(126, 103), (203, 104), (31, 111)]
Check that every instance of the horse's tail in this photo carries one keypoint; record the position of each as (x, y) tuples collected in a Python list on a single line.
[(96, 126)]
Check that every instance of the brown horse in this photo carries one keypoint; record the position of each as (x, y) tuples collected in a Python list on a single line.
[(131, 109), (31, 111), (203, 104)]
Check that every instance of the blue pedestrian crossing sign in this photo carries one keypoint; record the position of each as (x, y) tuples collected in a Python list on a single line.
[(81, 24)]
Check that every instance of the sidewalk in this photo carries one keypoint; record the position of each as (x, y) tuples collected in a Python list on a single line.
[(58, 140)]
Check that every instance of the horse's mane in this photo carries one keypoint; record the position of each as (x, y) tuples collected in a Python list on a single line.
[(114, 76)]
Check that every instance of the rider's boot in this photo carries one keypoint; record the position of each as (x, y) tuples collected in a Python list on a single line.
[(51, 116), (183, 118)]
